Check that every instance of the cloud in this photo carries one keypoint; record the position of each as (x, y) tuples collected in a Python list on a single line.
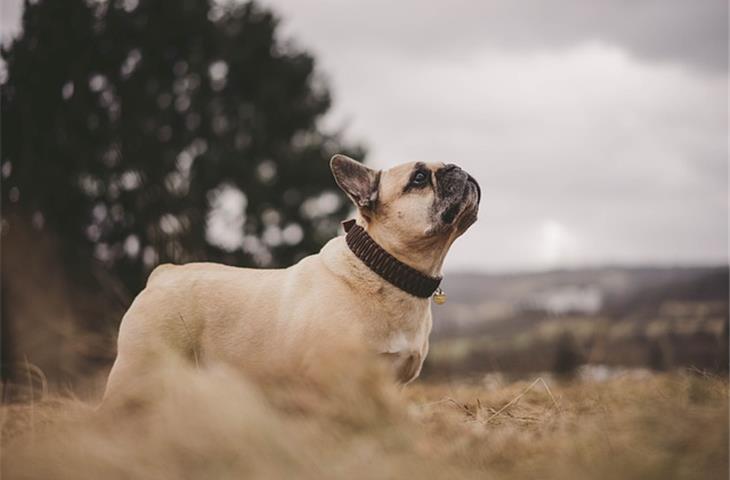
[(607, 120), (628, 157), (686, 32)]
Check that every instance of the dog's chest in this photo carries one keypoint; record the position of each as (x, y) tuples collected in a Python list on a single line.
[(409, 337), (400, 342)]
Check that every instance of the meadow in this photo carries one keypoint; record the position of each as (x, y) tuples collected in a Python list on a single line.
[(348, 420)]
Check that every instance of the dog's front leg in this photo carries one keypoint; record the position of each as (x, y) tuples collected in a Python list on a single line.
[(406, 365)]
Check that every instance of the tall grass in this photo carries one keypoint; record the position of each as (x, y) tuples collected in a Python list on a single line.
[(346, 419)]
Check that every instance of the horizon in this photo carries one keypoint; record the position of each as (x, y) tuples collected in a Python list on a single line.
[(586, 268)]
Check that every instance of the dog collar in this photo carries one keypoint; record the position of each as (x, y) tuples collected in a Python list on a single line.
[(388, 267)]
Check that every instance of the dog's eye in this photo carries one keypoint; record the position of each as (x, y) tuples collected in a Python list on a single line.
[(420, 178)]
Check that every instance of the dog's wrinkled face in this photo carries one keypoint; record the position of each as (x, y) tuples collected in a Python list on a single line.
[(414, 206)]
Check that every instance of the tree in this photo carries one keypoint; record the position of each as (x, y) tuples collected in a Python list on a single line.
[(567, 356), (656, 358), (149, 132), (724, 354)]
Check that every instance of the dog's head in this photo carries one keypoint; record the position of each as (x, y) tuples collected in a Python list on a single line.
[(415, 210)]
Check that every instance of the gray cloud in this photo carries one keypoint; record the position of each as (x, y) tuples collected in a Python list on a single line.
[(597, 129), (694, 33)]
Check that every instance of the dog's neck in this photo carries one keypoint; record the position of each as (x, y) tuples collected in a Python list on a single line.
[(344, 264), (341, 260), (427, 256), (386, 265)]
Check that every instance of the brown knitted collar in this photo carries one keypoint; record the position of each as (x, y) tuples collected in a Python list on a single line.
[(386, 265)]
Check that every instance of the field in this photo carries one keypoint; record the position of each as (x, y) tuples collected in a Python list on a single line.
[(352, 422), (634, 401)]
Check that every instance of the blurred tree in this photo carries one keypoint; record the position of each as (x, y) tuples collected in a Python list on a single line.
[(656, 359), (147, 132), (567, 356), (723, 361)]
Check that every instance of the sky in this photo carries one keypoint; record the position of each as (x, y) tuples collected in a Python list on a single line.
[(597, 130)]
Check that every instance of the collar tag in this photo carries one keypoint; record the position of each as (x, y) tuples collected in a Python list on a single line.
[(439, 297)]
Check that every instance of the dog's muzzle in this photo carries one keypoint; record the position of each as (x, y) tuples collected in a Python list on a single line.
[(458, 192)]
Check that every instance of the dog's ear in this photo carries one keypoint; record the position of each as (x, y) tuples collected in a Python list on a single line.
[(359, 182)]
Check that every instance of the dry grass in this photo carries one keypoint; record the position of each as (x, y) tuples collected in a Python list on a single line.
[(673, 426), (353, 423)]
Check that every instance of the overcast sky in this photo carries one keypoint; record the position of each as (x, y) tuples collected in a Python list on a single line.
[(598, 130)]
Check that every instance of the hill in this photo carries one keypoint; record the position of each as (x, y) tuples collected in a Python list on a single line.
[(636, 317)]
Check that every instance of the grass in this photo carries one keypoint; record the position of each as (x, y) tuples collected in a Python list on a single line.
[(350, 421)]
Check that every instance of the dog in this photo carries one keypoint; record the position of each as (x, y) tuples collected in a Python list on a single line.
[(371, 286)]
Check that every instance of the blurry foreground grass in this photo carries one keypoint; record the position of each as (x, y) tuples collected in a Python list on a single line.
[(353, 423)]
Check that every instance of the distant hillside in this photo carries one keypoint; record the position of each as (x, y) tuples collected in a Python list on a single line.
[(658, 318), (478, 299)]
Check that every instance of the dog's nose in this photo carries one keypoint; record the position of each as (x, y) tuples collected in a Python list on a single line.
[(476, 184)]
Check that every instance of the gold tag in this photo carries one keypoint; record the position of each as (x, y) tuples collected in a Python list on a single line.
[(439, 297)]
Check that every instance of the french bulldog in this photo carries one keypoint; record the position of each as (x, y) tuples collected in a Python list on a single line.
[(371, 286)]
